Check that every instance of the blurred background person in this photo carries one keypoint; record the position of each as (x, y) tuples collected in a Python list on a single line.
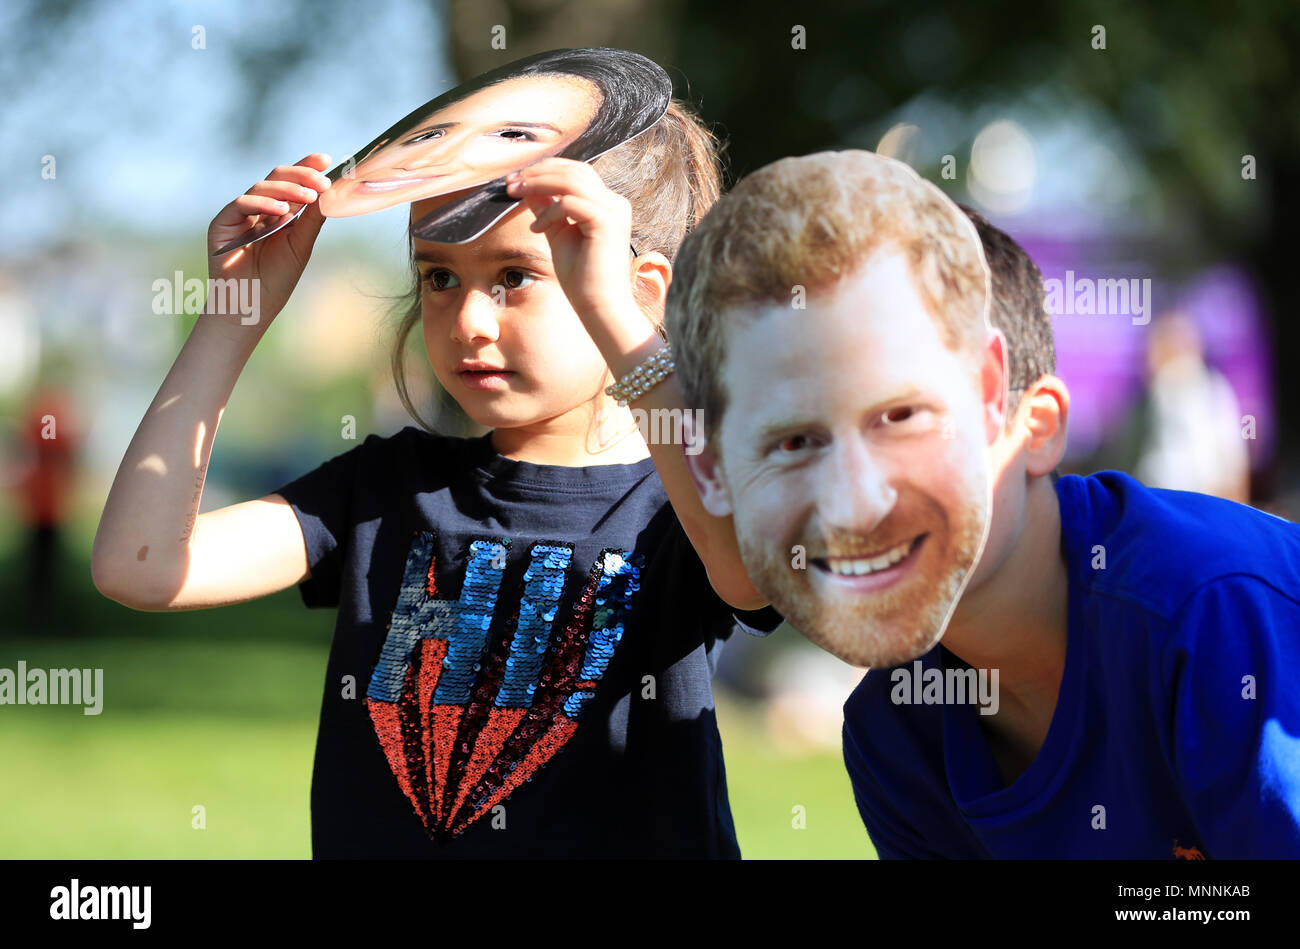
[(1193, 437), (1184, 430), (51, 439)]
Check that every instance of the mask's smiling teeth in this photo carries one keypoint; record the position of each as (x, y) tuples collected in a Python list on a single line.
[(859, 566)]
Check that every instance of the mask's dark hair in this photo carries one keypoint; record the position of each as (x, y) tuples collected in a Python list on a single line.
[(1018, 308), (631, 87), (670, 174), (634, 92)]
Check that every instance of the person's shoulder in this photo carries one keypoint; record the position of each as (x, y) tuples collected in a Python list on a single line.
[(870, 701), (892, 745), (1157, 548)]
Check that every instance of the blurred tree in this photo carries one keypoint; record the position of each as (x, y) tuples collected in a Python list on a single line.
[(532, 26), (1191, 90)]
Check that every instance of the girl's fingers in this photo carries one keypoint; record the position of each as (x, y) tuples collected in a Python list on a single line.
[(555, 189), (584, 213), (555, 175), (247, 206), (546, 214), (303, 234), (286, 188), (317, 161), (298, 174), (285, 191), (555, 164), (237, 212)]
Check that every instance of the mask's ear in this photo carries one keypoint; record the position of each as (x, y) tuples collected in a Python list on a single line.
[(705, 468), (993, 385)]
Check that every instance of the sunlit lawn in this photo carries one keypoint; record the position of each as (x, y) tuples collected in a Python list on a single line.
[(209, 709)]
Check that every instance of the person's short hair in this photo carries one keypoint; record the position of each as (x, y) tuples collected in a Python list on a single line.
[(1018, 308), (808, 222)]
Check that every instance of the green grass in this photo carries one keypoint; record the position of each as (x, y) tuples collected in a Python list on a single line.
[(231, 728), (218, 709), (766, 786)]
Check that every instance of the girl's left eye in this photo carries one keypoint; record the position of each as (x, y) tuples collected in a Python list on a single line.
[(516, 279)]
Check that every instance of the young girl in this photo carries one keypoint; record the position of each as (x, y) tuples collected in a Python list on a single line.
[(526, 626)]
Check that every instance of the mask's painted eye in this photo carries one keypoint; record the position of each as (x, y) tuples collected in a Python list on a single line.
[(516, 135), (429, 136)]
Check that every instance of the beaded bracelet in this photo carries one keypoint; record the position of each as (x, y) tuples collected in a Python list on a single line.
[(644, 377)]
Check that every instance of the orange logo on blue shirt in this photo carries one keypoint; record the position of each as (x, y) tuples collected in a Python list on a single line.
[(1187, 853)]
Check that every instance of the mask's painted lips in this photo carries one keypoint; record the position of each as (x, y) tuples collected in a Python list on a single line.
[(383, 185)]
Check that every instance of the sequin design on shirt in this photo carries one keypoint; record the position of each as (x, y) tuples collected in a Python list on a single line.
[(468, 709)]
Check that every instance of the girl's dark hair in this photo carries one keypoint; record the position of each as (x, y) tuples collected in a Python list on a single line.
[(670, 174)]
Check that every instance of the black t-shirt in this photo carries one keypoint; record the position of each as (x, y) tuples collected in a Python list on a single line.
[(521, 662)]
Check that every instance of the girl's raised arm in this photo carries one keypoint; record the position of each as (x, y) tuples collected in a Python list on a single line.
[(153, 550), (588, 227)]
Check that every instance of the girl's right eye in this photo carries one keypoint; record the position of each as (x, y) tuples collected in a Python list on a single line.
[(440, 279)]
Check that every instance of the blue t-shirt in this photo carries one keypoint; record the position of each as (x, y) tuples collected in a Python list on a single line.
[(1177, 729), (521, 660)]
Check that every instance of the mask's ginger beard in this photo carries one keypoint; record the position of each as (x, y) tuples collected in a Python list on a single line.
[(882, 628)]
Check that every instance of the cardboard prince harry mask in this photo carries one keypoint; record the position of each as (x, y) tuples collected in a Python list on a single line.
[(574, 103), (829, 317)]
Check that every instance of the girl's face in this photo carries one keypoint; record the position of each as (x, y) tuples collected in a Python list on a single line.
[(482, 137), (500, 333)]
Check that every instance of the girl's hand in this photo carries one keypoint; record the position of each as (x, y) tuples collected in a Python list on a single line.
[(589, 228), (277, 261)]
